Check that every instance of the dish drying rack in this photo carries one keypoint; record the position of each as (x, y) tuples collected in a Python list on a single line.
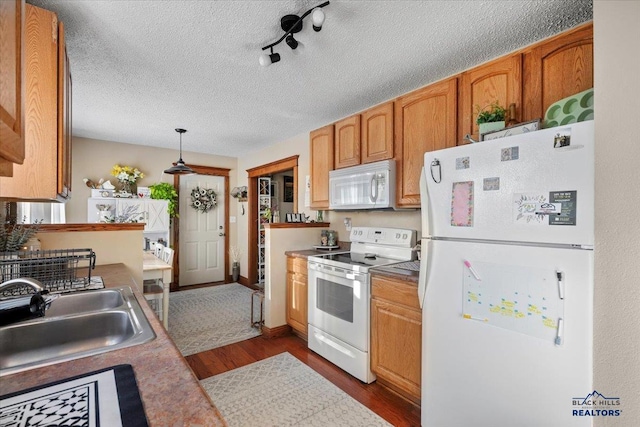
[(57, 269)]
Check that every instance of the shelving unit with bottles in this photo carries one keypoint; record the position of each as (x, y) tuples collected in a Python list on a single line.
[(264, 217)]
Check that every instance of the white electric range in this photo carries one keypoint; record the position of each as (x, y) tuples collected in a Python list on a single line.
[(339, 292)]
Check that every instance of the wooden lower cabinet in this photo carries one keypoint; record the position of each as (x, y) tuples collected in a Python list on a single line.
[(396, 336), (297, 294)]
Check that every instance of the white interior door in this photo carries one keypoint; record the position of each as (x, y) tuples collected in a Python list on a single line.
[(202, 254)]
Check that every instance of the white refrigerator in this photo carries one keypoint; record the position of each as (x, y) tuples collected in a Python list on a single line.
[(506, 280)]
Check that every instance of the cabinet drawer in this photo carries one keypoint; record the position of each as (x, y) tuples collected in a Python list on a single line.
[(297, 265), (405, 293)]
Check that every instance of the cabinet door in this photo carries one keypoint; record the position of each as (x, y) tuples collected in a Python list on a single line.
[(499, 80), (347, 142), (396, 340), (297, 302), (12, 95), (321, 154), (130, 210), (38, 178), (156, 215), (556, 69), (425, 120), (64, 117), (377, 133)]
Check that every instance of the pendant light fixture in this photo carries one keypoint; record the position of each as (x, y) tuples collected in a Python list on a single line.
[(180, 168)]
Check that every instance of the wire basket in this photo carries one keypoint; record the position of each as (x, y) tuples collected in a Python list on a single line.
[(57, 269)]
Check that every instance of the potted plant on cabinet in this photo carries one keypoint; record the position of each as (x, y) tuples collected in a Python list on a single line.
[(166, 191), (490, 118)]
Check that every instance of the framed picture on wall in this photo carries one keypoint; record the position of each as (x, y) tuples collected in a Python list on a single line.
[(288, 189)]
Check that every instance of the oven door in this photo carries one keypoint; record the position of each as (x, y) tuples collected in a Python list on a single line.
[(339, 303)]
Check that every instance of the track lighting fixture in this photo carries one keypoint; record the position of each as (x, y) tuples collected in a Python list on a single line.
[(179, 168), (292, 24)]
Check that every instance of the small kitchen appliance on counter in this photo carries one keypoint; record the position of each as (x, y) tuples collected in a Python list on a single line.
[(339, 290)]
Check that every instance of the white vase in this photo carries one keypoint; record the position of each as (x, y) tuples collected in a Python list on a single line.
[(490, 127)]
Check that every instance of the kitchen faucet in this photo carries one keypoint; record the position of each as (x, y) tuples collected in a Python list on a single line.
[(23, 306), (35, 284)]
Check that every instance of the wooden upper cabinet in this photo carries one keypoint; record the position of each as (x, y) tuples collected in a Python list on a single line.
[(557, 68), (64, 118), (321, 157), (45, 174), (347, 142), (12, 95), (377, 133), (425, 120), (499, 80)]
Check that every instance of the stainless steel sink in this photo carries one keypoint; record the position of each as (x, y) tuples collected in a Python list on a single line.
[(85, 301), (76, 325)]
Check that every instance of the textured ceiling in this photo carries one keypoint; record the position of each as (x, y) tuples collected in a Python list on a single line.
[(142, 68)]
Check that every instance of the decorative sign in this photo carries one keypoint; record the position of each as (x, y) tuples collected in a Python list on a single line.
[(568, 210), (462, 204)]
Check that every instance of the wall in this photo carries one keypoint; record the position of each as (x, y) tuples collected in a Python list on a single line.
[(111, 247), (297, 145), (277, 242), (94, 159), (617, 291)]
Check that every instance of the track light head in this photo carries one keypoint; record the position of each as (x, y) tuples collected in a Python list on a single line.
[(268, 59), (317, 18), (293, 43)]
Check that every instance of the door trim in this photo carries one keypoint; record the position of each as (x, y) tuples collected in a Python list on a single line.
[(201, 170), (253, 174)]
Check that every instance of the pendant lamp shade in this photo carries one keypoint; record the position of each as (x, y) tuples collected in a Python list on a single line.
[(179, 168)]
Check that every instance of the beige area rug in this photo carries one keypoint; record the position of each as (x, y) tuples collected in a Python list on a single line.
[(282, 391), (206, 318)]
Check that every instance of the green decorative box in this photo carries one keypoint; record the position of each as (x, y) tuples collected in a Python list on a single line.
[(573, 109)]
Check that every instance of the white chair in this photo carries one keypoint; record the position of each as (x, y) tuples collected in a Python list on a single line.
[(167, 255), (153, 290), (158, 250)]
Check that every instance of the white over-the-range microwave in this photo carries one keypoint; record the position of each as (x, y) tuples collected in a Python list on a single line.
[(368, 186)]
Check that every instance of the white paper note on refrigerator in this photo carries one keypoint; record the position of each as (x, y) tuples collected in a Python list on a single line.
[(521, 299)]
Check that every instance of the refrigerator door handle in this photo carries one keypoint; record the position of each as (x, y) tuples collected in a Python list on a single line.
[(425, 247), (424, 203)]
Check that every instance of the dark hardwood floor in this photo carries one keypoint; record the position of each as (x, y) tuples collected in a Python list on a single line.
[(379, 399)]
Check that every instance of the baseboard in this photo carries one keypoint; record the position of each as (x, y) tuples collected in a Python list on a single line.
[(245, 282), (278, 331), (415, 400)]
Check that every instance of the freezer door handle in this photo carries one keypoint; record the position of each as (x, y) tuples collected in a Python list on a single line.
[(424, 203)]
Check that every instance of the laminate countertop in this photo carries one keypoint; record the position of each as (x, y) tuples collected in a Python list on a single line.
[(170, 392)]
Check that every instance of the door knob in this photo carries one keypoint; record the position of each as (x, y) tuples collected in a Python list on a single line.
[(220, 234)]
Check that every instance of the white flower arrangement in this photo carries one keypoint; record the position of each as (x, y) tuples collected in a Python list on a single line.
[(203, 199)]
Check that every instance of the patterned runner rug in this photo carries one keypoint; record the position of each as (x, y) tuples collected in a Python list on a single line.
[(282, 391), (206, 318)]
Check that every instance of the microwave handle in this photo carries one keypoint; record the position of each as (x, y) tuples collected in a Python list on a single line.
[(373, 196)]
